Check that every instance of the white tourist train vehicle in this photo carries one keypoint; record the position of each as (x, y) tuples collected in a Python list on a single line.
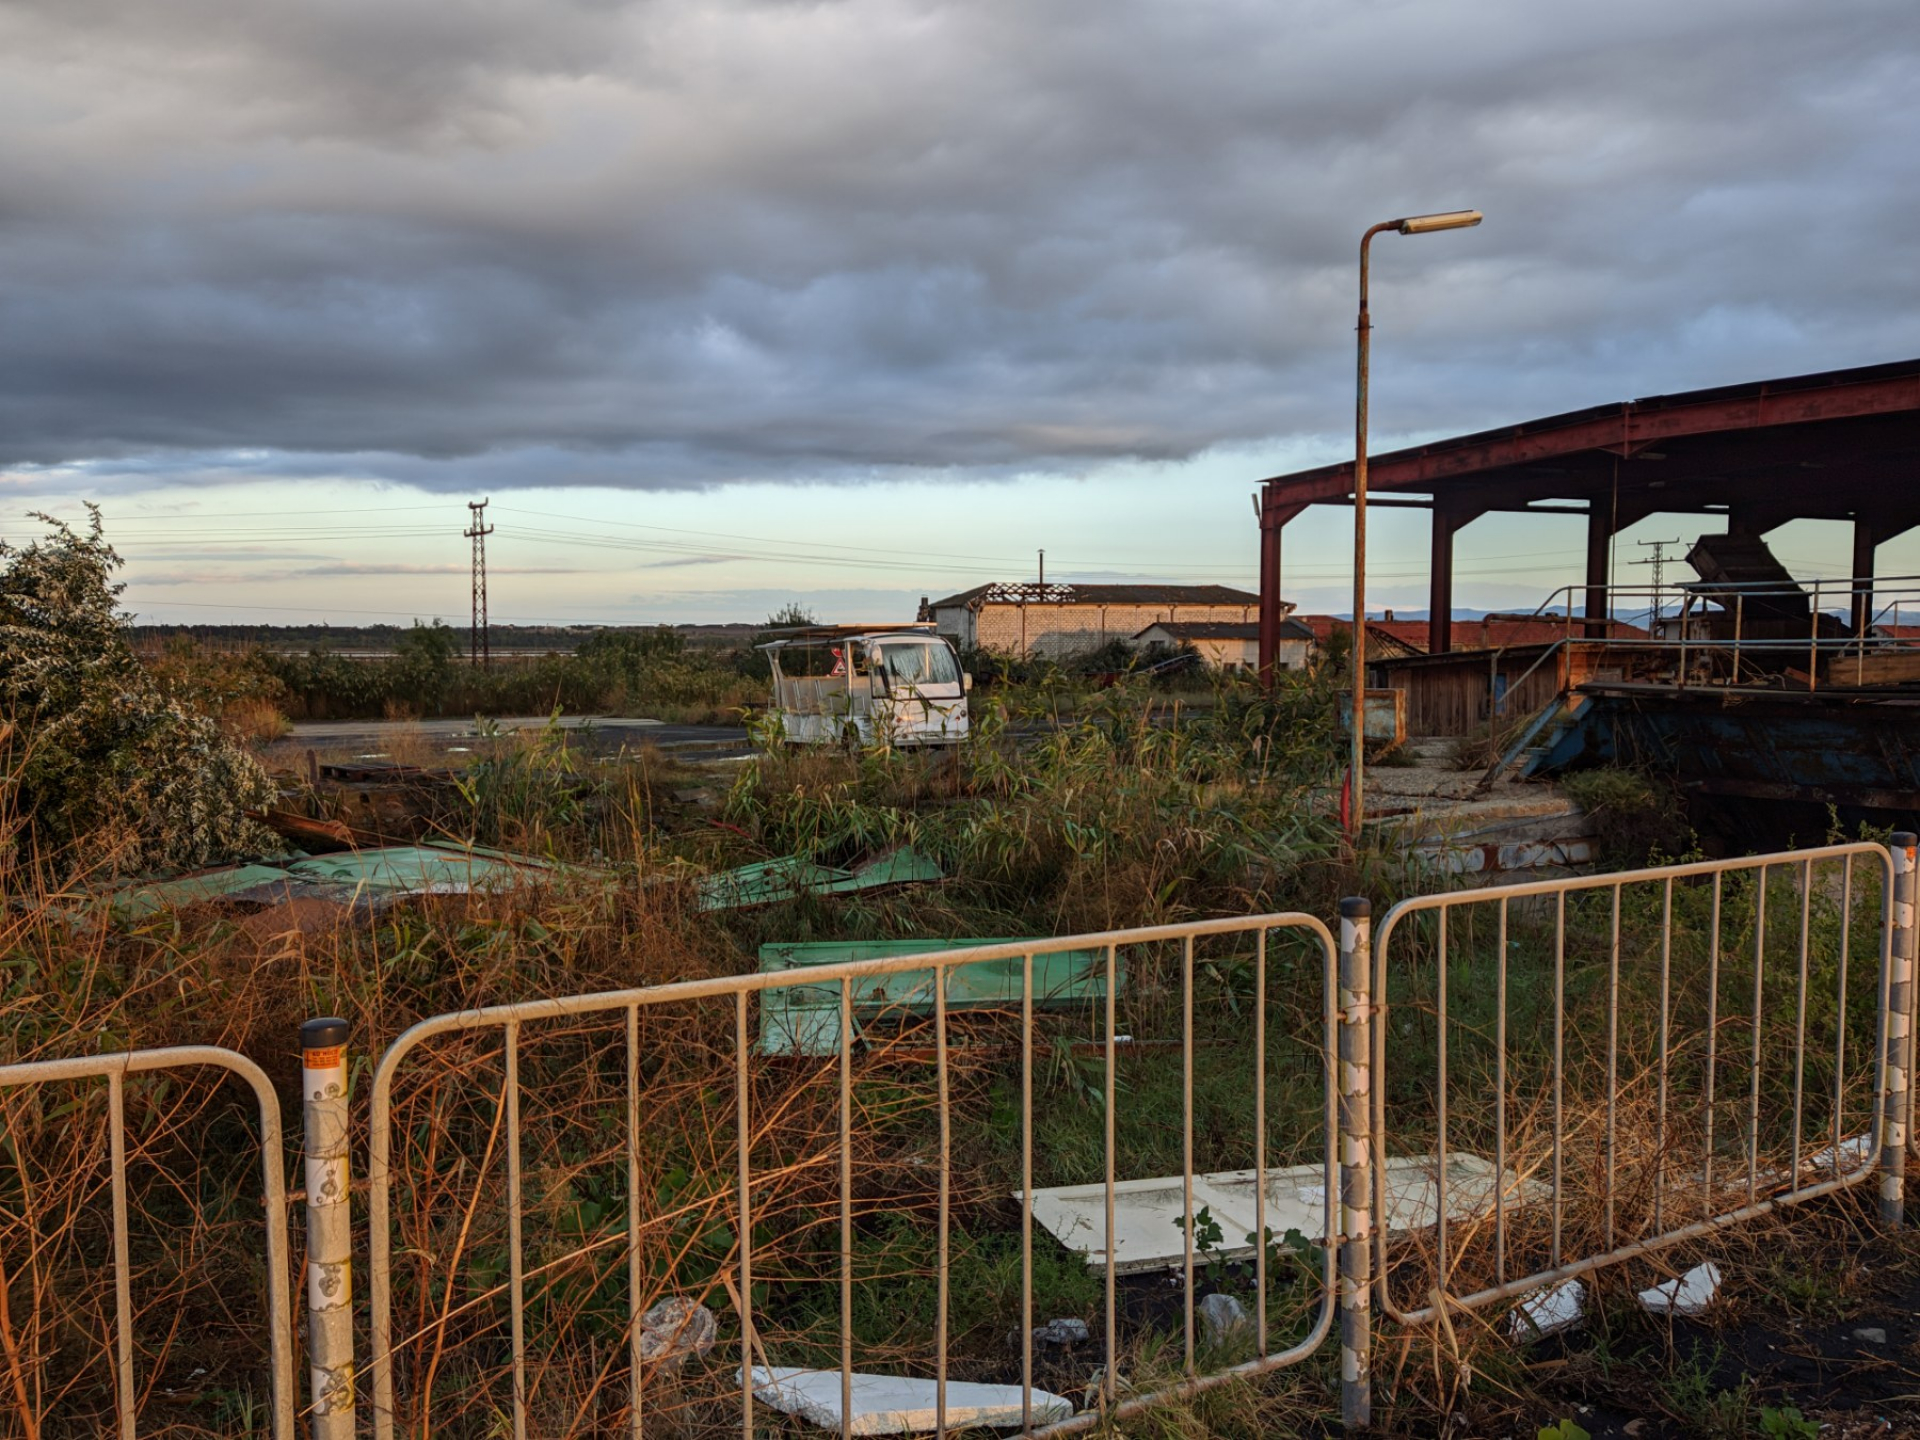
[(898, 685)]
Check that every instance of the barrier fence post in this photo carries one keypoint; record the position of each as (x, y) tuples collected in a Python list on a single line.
[(1897, 1028), (1906, 934), (1356, 1163), (323, 1094)]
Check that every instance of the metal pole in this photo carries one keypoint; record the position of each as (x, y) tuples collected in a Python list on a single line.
[(1897, 1030), (1356, 763), (1356, 1163), (323, 1093), (1813, 642), (1409, 225)]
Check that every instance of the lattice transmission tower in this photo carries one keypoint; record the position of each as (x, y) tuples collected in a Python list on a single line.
[(479, 641), (1658, 560)]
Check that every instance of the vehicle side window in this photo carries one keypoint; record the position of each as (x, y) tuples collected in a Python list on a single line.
[(920, 664)]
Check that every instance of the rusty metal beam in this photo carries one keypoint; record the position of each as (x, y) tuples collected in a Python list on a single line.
[(1634, 425), (1273, 519)]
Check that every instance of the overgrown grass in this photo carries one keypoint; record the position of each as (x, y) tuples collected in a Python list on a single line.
[(1123, 818)]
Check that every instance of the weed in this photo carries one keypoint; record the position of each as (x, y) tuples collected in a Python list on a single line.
[(1689, 1394), (1786, 1423)]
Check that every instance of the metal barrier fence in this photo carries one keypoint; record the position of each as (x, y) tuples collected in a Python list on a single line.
[(788, 1176), (115, 1069), (1580, 1189), (1643, 1058)]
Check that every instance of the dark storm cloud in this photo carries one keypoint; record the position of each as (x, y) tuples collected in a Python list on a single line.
[(479, 243)]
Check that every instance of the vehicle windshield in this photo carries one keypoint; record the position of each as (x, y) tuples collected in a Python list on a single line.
[(919, 663)]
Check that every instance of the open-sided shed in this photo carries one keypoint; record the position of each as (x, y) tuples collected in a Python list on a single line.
[(1842, 445)]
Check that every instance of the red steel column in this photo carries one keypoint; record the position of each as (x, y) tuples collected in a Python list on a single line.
[(1269, 598), (1273, 519), (1865, 543), (1599, 552)]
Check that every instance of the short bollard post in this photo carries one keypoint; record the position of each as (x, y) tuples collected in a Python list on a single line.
[(323, 1093), (1897, 1029), (1356, 1163)]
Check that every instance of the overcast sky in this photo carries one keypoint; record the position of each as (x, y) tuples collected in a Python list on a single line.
[(729, 303)]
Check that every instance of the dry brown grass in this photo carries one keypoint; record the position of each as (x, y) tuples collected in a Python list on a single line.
[(246, 982)]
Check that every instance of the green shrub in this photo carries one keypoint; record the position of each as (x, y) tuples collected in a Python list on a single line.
[(93, 743)]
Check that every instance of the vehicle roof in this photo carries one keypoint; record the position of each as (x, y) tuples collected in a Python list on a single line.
[(827, 634)]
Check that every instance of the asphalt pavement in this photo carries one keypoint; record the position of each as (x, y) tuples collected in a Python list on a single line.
[(607, 732)]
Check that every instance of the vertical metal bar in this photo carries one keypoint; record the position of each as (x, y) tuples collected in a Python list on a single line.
[(1840, 1007), (635, 1425), (1909, 936), (1759, 986), (743, 1154), (1680, 676), (1108, 1376), (325, 1120), (516, 1257), (1260, 1138), (1896, 1028), (1441, 1087), (1660, 1117), (1739, 615), (1499, 1111), (1356, 1163), (1559, 1068), (1186, 1134), (1800, 1017), (122, 1263), (846, 1196), (946, 1199), (1813, 642), (1613, 1062), (1713, 1040), (1026, 1194)]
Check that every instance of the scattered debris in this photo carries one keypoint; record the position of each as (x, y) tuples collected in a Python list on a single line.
[(675, 1329), (1850, 1154), (373, 768), (767, 882), (1148, 1214), (805, 1019), (1548, 1312), (354, 876), (1686, 1296), (1871, 1335), (899, 1404), (1055, 1335), (313, 836), (1224, 1318)]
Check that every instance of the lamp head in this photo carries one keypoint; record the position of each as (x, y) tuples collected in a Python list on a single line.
[(1447, 220)]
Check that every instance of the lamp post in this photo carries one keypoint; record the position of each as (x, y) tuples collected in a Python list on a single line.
[(1411, 225)]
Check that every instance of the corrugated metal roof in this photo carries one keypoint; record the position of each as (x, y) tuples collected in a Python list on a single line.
[(1218, 630), (1115, 595)]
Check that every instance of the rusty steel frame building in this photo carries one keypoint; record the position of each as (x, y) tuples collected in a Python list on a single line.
[(1840, 445)]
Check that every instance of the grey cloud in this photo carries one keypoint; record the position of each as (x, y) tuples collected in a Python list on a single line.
[(678, 244), (685, 561)]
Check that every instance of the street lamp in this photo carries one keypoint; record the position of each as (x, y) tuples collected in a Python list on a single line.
[(1411, 225)]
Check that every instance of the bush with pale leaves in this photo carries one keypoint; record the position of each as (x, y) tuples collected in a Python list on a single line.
[(97, 760)]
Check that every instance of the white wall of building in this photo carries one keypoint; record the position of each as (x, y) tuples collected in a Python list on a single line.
[(1055, 630)]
